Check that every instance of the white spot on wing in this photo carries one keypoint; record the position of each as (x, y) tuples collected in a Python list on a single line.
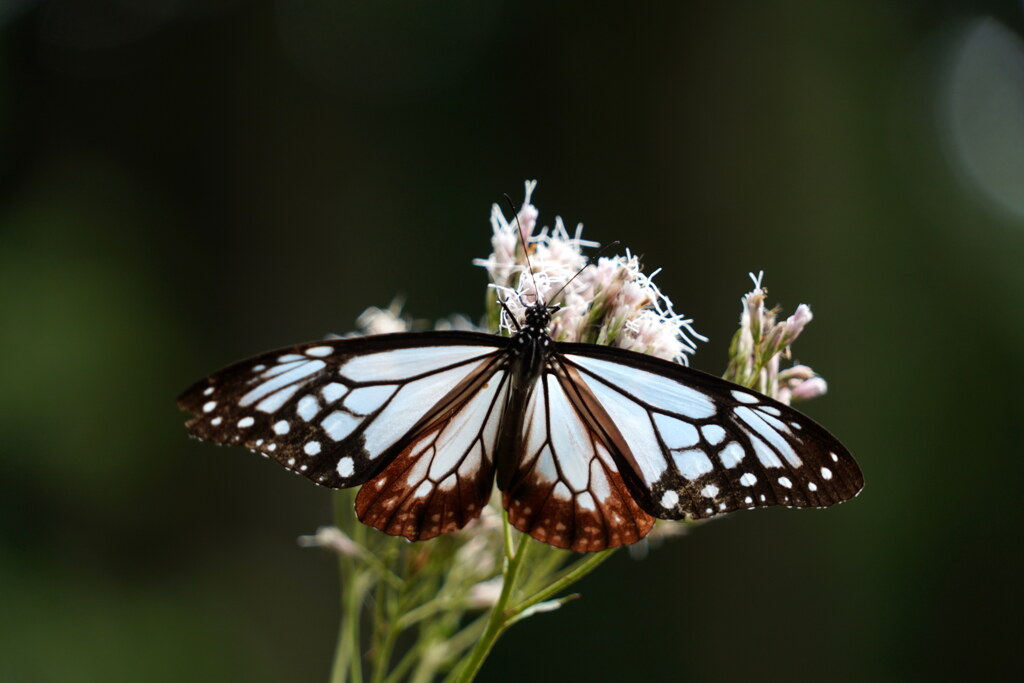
[(713, 433), (669, 499), (365, 400), (693, 463), (208, 391), (599, 481), (216, 421), (811, 486), (340, 424), (273, 403), (281, 427), (676, 433), (784, 481), (826, 473), (346, 466), (765, 455), (209, 405), (748, 479), (709, 491), (561, 492), (308, 407), (333, 391), (545, 468), (744, 397), (320, 351), (731, 455), (311, 447), (468, 470), (246, 422), (418, 471)]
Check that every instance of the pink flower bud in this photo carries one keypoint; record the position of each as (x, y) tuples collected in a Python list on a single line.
[(796, 323), (812, 388)]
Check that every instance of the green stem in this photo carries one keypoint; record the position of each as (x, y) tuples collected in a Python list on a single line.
[(499, 617), (384, 650), (355, 582), (347, 657), (571, 575)]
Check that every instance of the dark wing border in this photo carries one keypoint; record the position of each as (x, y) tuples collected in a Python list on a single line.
[(191, 400)]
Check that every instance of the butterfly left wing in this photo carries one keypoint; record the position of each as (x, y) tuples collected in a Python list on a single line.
[(340, 411), (694, 446)]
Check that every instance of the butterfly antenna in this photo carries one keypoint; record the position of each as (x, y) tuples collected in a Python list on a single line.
[(526, 250), (590, 262)]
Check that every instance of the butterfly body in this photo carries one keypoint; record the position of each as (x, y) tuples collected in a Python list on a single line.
[(588, 444)]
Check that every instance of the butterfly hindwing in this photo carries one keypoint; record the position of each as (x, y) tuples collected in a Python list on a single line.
[(338, 411), (567, 489), (700, 446)]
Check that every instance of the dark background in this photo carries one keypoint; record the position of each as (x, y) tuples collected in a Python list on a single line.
[(184, 183)]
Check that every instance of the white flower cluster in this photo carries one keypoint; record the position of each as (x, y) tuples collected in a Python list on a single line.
[(612, 302)]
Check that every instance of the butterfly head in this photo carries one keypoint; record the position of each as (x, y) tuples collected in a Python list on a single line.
[(538, 316)]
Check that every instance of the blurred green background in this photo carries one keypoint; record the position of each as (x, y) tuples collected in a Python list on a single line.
[(184, 183)]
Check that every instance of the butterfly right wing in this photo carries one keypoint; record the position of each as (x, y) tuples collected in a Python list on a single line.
[(696, 446)]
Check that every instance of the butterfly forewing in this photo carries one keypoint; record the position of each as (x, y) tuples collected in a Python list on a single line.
[(338, 411), (700, 446)]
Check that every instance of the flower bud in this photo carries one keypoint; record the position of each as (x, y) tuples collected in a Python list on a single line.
[(812, 388), (332, 538)]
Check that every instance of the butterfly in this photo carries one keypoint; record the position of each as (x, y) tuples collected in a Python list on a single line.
[(587, 444)]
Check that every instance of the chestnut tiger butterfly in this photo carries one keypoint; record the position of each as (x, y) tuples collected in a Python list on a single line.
[(587, 444)]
